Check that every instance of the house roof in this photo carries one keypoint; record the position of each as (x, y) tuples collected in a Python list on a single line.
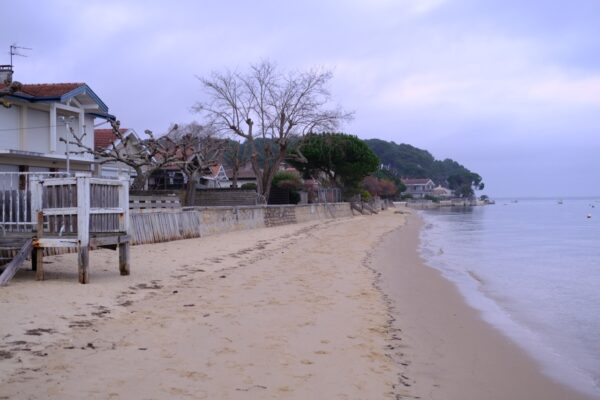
[(48, 89), (441, 189), (419, 181), (104, 137), (58, 92), (245, 172)]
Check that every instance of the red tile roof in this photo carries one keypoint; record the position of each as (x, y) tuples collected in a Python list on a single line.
[(104, 137), (420, 181), (245, 172), (47, 89)]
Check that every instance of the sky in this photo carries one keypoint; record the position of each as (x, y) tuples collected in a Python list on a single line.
[(510, 89)]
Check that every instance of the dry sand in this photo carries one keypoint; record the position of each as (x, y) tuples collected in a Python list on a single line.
[(288, 312), (293, 312)]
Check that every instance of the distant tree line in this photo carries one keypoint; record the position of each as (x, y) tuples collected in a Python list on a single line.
[(404, 160)]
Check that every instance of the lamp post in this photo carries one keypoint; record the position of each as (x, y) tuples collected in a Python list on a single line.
[(67, 122)]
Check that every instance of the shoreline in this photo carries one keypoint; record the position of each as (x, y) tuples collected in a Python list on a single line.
[(310, 310), (447, 350)]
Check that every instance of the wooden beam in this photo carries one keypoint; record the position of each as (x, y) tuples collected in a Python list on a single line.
[(109, 240), (11, 268), (56, 242), (39, 252), (83, 227), (74, 210), (124, 253)]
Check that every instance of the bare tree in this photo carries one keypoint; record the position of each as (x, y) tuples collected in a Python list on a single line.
[(143, 156), (235, 156), (194, 148), (272, 106)]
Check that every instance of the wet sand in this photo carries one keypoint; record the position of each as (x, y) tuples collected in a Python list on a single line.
[(449, 352)]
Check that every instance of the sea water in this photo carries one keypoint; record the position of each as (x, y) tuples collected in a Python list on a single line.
[(532, 268)]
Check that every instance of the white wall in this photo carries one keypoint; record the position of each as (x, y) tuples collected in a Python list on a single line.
[(9, 127), (37, 136)]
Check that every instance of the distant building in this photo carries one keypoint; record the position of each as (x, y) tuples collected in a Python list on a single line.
[(214, 177), (419, 188), (107, 140), (245, 175), (442, 192)]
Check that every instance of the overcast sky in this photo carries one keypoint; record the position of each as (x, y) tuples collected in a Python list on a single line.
[(510, 89)]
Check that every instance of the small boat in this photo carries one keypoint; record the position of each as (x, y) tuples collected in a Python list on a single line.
[(560, 202), (589, 215)]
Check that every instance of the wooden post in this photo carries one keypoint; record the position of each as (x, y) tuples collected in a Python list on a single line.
[(36, 206), (83, 227), (124, 222), (39, 251)]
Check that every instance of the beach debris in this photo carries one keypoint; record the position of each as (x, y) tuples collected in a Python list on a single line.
[(154, 285), (189, 305), (175, 291), (39, 331), (5, 355), (90, 345), (250, 388), (142, 348), (80, 324), (223, 276)]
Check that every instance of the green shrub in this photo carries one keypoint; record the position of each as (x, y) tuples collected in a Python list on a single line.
[(287, 180), (248, 186)]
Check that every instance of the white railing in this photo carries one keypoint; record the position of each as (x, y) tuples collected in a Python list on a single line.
[(15, 199)]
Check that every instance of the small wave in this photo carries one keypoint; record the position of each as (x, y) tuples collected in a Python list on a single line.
[(476, 277)]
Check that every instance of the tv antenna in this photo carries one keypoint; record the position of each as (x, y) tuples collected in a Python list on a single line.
[(14, 51)]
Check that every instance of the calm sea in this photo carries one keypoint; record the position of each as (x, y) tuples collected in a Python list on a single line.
[(532, 267)]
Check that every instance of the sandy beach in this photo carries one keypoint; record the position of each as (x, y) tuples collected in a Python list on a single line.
[(286, 312), (341, 309)]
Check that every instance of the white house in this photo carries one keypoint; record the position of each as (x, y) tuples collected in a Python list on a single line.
[(213, 177), (442, 192), (34, 122), (419, 188), (107, 140)]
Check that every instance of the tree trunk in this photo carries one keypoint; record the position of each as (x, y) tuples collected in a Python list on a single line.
[(269, 171), (190, 190), (139, 183), (235, 171)]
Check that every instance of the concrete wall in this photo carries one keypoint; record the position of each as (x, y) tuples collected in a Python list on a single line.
[(149, 226)]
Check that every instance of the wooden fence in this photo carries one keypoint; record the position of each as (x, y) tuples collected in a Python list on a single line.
[(154, 202), (80, 212)]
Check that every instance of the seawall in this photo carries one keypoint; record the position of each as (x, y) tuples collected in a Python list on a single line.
[(152, 226)]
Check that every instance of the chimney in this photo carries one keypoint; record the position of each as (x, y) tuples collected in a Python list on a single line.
[(6, 73)]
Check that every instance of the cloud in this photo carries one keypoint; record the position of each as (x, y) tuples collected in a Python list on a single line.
[(566, 90)]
